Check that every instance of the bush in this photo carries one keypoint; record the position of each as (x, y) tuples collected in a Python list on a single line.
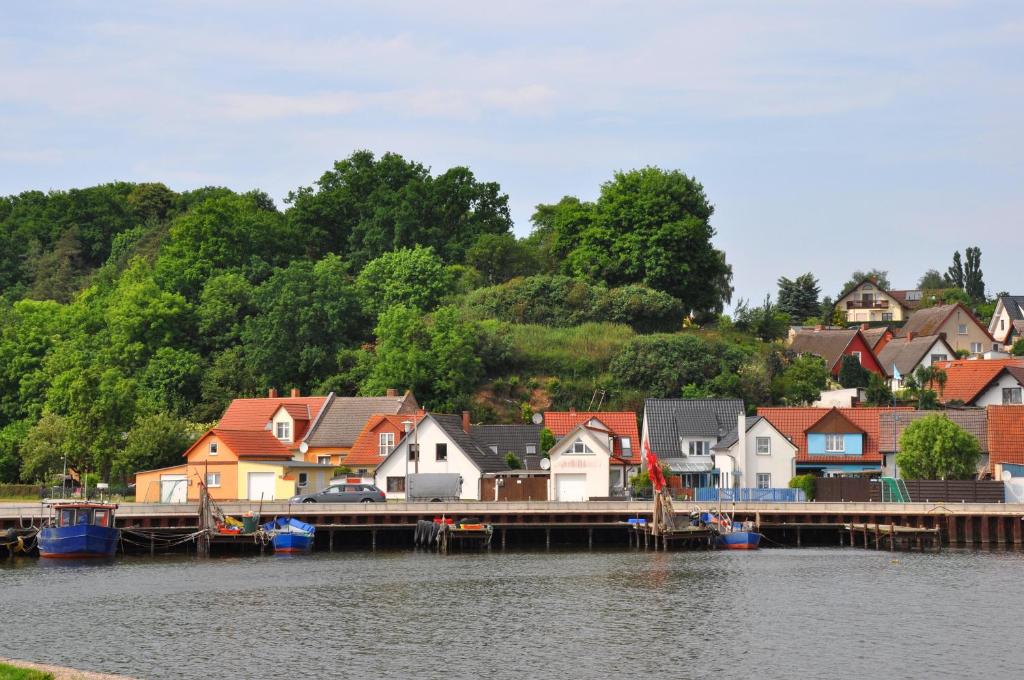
[(513, 462), (1018, 348), (806, 483), (664, 364)]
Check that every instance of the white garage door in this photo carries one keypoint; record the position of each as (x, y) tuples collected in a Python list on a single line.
[(173, 488), (571, 488), (261, 485)]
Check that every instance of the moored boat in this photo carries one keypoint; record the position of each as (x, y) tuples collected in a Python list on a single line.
[(731, 535), (80, 529), (289, 535)]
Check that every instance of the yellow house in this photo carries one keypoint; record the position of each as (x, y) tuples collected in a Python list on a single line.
[(867, 302)]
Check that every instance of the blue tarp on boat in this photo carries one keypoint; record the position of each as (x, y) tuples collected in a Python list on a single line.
[(289, 535)]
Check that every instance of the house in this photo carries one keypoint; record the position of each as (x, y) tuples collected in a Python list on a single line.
[(612, 438), (332, 434), (843, 397), (235, 465), (982, 382), (831, 442), (381, 434), (1007, 324), (962, 330), (907, 352), (287, 418), (832, 344), (1006, 441), (876, 336), (682, 433), (892, 423), (445, 445), (762, 458), (867, 302), (522, 440)]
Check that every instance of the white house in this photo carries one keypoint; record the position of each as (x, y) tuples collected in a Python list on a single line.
[(762, 458), (908, 352), (1007, 324), (445, 445), (1007, 388), (580, 465)]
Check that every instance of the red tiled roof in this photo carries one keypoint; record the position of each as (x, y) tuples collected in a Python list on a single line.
[(794, 423), (248, 444), (365, 451), (1005, 434), (254, 414), (619, 423), (967, 378), (298, 411)]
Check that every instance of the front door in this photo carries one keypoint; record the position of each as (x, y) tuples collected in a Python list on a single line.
[(173, 488), (571, 488), (261, 486)]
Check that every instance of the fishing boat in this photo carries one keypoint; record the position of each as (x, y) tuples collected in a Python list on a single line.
[(731, 535), (289, 535), (80, 529)]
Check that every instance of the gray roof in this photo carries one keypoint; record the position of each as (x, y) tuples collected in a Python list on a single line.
[(874, 334), (906, 354), (731, 438), (667, 420), (507, 438), (974, 421), (343, 418), (829, 344), (1014, 305), (484, 459)]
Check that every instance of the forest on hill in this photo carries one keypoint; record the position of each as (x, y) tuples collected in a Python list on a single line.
[(131, 314)]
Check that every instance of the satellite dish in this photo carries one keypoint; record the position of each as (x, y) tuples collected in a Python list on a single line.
[(545, 463), (303, 447), (1007, 475), (538, 418)]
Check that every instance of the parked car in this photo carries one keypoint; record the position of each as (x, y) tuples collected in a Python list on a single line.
[(343, 493)]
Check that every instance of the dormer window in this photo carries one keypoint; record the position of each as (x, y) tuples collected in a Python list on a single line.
[(700, 448), (386, 443), (284, 431), (213, 448), (579, 447), (627, 445), (914, 295), (835, 443), (868, 286)]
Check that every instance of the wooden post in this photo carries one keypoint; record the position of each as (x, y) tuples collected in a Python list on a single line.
[(330, 541), (547, 538), (373, 539), (1016, 532), (878, 540), (503, 538), (590, 538), (1000, 531), (892, 536), (969, 530), (951, 529), (152, 548), (984, 530), (865, 535), (799, 543)]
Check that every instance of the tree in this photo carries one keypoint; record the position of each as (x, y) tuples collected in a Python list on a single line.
[(1018, 348), (974, 284), (879, 276), (931, 280), (224, 305), (500, 257), (547, 441), (935, 447), (171, 381), (155, 441), (878, 391), (802, 381), (852, 374), (414, 277), (799, 298), (45, 447), (651, 227), (955, 274), (766, 322), (662, 365), (513, 462)]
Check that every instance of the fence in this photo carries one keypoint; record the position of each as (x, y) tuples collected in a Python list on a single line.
[(712, 495), (858, 490), (20, 491), (533, 488)]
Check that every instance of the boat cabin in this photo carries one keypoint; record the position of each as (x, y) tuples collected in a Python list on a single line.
[(89, 514)]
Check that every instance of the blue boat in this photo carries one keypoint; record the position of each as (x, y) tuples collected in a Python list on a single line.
[(730, 535), (80, 529), (289, 535)]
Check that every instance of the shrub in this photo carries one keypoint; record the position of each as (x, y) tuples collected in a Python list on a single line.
[(1018, 348), (513, 462), (806, 483)]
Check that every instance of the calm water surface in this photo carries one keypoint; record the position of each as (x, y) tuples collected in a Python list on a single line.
[(812, 613)]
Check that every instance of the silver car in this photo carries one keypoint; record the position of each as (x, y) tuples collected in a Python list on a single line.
[(343, 493)]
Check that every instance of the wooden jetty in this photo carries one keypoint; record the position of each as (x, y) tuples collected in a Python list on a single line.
[(686, 537), (895, 536)]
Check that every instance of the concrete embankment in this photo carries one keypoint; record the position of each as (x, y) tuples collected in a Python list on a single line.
[(62, 673)]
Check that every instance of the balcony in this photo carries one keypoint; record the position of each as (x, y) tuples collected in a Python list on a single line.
[(867, 304)]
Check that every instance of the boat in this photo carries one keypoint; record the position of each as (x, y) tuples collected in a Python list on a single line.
[(731, 535), (289, 535), (80, 529)]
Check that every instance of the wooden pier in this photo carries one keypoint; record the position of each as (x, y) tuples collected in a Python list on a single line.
[(894, 536), (687, 537)]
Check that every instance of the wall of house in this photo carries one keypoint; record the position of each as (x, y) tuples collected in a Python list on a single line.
[(428, 434), (147, 484), (228, 469), (779, 463), (993, 396), (201, 450), (594, 465), (285, 479), (867, 357), (337, 454), (853, 445), (1000, 325), (975, 333), (940, 347), (282, 416), (868, 315), (685, 448)]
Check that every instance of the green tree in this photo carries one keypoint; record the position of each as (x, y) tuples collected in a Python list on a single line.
[(12, 437), (500, 257), (767, 322), (224, 305), (974, 283), (934, 447), (799, 297), (955, 274), (547, 441), (878, 392), (852, 374), (662, 365), (801, 382), (154, 441), (45, 446), (141, 318), (931, 280), (1018, 348), (171, 381), (151, 201), (513, 462), (414, 277)]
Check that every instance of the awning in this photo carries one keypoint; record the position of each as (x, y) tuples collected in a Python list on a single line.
[(690, 467)]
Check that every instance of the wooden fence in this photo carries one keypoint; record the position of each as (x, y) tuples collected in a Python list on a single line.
[(857, 490), (532, 488)]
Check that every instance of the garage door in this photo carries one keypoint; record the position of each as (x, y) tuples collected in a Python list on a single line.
[(571, 488), (261, 486), (173, 488)]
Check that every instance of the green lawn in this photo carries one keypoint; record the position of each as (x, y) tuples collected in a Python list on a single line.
[(8, 672)]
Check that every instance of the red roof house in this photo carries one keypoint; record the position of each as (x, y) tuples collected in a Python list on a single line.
[(1005, 435), (620, 425)]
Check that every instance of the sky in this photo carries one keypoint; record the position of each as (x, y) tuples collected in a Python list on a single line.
[(830, 136)]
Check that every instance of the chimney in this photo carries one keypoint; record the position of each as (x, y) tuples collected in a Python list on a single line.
[(392, 392), (296, 392), (572, 410), (272, 393), (865, 326), (465, 422), (910, 335)]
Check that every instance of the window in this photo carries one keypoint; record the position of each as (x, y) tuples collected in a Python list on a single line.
[(867, 286), (213, 448), (700, 448), (441, 452), (886, 316), (284, 431), (976, 347), (212, 479), (303, 479), (1002, 324), (764, 446), (323, 460), (835, 443), (961, 329), (764, 480), (579, 447), (362, 472), (856, 354), (493, 448), (396, 484), (913, 295), (939, 357), (414, 451), (386, 443), (531, 449), (1011, 395), (627, 446)]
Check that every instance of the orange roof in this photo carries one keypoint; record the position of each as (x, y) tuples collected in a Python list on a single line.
[(794, 423), (1005, 434), (967, 378), (248, 444), (619, 423), (254, 414), (365, 451)]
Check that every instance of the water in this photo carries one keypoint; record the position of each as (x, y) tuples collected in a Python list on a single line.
[(811, 613)]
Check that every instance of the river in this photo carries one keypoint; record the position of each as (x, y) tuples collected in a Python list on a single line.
[(810, 613)]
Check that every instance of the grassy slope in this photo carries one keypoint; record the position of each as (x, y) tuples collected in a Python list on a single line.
[(8, 672)]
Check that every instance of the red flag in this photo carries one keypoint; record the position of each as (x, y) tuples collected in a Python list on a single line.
[(654, 468)]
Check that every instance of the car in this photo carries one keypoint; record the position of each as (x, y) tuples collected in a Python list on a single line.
[(343, 493)]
